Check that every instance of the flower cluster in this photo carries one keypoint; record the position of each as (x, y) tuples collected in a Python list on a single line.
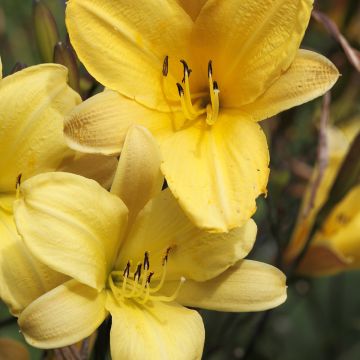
[(89, 229)]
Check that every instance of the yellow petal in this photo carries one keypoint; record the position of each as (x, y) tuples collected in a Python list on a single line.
[(250, 43), (11, 349), (93, 166), (123, 44), (63, 316), (0, 69), (155, 331), (309, 76), (100, 124), (346, 241), (138, 177), (22, 277), (247, 286), (321, 260), (71, 224), (343, 213), (31, 138), (194, 253), (217, 173)]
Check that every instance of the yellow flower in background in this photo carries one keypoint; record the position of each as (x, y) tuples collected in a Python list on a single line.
[(336, 246), (199, 75), (130, 261), (33, 103)]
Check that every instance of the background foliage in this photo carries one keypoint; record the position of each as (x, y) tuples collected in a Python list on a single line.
[(321, 318)]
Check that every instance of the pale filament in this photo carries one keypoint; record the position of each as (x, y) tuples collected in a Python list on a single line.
[(128, 285)]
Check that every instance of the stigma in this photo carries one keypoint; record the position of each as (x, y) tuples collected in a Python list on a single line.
[(212, 102), (135, 282)]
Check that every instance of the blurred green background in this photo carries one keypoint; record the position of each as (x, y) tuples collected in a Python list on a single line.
[(321, 318)]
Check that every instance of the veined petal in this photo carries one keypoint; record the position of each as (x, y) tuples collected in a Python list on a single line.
[(31, 138), (93, 166), (100, 124), (123, 44), (138, 177), (195, 254), (71, 224), (11, 349), (63, 316), (217, 173), (155, 331), (247, 286), (251, 43), (22, 277), (309, 76)]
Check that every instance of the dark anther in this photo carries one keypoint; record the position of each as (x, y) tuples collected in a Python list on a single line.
[(137, 274), (187, 70), (149, 277), (210, 68), (127, 269), (165, 259), (18, 181), (180, 89), (216, 86), (146, 261), (165, 69)]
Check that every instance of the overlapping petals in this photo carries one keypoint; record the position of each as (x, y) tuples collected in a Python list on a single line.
[(86, 233)]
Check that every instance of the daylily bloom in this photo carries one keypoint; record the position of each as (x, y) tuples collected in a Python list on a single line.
[(130, 261), (199, 75), (33, 103), (336, 246)]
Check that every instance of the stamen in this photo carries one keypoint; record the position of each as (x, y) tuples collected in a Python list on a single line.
[(165, 258), (165, 69), (127, 269), (125, 285), (213, 111), (146, 261), (210, 68), (137, 273), (174, 295), (186, 103), (17, 185), (163, 274), (187, 70), (149, 277)]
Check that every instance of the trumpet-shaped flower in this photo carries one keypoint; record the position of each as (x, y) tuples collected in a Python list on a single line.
[(132, 260), (336, 245), (199, 75), (33, 103)]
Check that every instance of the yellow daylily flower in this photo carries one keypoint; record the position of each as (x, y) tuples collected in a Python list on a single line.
[(133, 269), (199, 75), (33, 103), (336, 246)]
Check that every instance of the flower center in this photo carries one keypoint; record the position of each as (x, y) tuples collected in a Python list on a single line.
[(190, 112), (135, 285)]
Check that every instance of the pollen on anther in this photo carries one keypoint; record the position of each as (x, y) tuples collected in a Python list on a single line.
[(210, 70), (180, 89), (165, 69), (18, 181), (146, 261)]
